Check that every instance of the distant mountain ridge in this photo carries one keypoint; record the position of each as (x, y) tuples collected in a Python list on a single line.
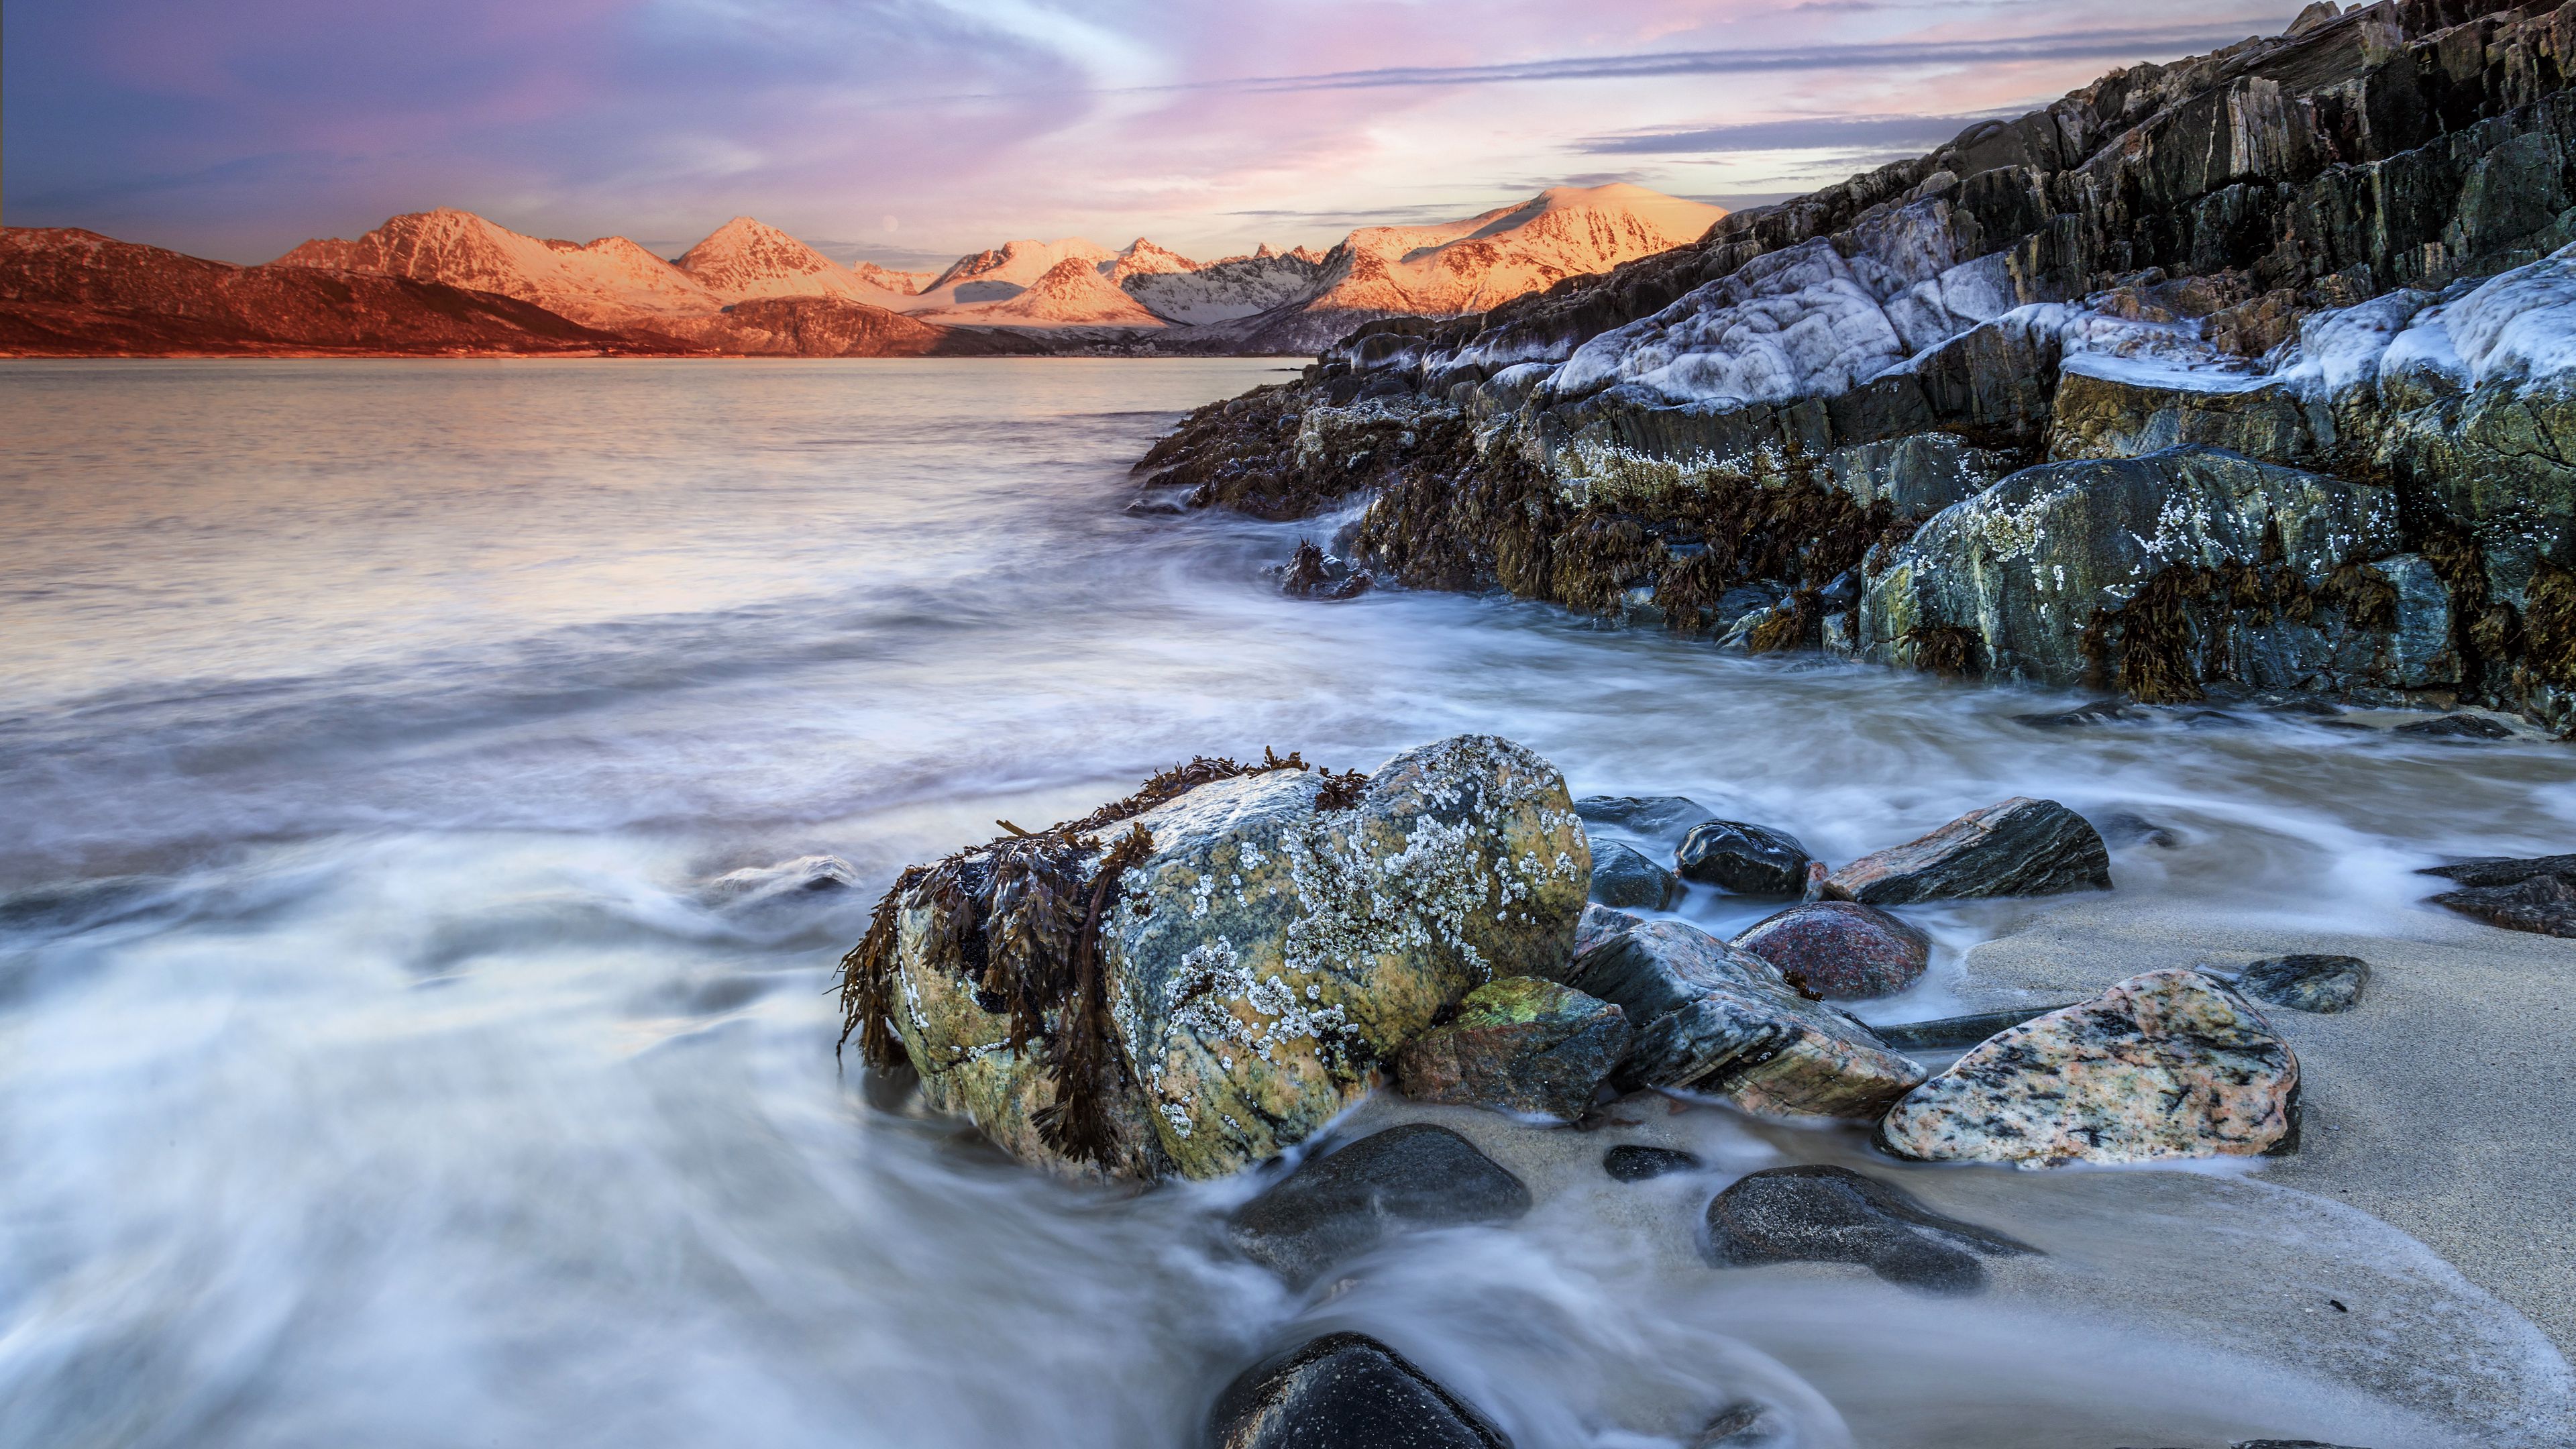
[(1052, 295)]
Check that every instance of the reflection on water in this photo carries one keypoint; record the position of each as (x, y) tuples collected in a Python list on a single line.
[(374, 1068)]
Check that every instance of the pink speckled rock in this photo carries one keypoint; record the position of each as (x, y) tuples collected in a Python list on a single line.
[(1841, 950), (2165, 1065)]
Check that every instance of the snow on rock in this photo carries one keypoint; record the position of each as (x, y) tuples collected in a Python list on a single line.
[(1143, 258), (1004, 272), (610, 283), (745, 259), (1790, 324), (1072, 293), (1225, 291)]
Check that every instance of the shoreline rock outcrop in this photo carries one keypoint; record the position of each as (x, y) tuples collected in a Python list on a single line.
[(2252, 371)]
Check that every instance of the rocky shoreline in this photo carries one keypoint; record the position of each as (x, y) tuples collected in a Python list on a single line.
[(2248, 374), (1244, 968)]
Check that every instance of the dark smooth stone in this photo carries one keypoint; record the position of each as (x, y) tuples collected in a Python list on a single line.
[(2123, 827), (1650, 970), (2503, 870), (1630, 1162), (1841, 950), (1344, 1391), (1823, 1214), (2544, 905), (1653, 817), (1415, 1175), (2457, 727), (2021, 847), (1749, 860), (1622, 876), (1956, 1031), (2306, 983)]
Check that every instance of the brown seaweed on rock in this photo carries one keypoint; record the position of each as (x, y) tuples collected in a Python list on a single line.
[(1020, 916)]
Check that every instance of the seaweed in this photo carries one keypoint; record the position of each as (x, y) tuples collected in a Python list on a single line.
[(1945, 649), (2549, 624), (1019, 918), (2152, 647)]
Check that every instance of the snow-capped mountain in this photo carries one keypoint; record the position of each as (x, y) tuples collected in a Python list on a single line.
[(1004, 272), (1143, 258), (744, 259), (610, 283), (1226, 291), (1468, 266), (1075, 292)]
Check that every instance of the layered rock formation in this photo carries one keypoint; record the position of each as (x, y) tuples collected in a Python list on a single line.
[(2286, 324)]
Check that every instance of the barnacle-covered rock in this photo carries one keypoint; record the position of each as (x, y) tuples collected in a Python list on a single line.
[(1198, 978), (1270, 955)]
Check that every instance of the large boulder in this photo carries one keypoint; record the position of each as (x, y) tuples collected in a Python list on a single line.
[(2170, 1064), (1841, 950), (2162, 571), (1344, 1391), (1517, 1045), (1275, 935), (1711, 1018), (1333, 1207), (1824, 1214), (2021, 847)]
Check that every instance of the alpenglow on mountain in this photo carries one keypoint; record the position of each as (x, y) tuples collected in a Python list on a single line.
[(752, 288)]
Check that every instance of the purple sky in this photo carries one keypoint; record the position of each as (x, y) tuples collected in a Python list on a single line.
[(913, 130)]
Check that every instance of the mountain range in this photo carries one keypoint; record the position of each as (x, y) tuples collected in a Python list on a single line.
[(751, 289)]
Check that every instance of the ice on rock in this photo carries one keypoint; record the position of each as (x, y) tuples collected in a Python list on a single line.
[(2342, 349), (2518, 325), (1790, 324)]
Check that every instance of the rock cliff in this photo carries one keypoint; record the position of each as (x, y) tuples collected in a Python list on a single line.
[(2248, 371)]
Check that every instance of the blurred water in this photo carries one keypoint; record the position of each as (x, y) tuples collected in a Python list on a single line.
[(375, 1069)]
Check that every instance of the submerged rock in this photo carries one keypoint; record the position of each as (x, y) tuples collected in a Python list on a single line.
[(2456, 727), (1948, 1032), (1517, 1045), (1749, 860), (1711, 1018), (1622, 876), (1312, 573), (1344, 1391), (1824, 1214), (2022, 847), (757, 888), (1635, 1162), (1417, 1175), (1745, 1425), (1841, 950), (1272, 935), (1651, 817), (2306, 983), (2169, 1064)]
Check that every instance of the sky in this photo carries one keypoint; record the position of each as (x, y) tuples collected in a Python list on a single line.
[(910, 131)]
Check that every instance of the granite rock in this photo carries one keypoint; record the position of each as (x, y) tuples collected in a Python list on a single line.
[(1841, 950), (2306, 983), (2169, 1064)]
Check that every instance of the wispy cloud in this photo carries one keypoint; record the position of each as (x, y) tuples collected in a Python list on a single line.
[(1796, 133), (2062, 45)]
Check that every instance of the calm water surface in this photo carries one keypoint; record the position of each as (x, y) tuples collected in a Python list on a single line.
[(375, 1067)]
